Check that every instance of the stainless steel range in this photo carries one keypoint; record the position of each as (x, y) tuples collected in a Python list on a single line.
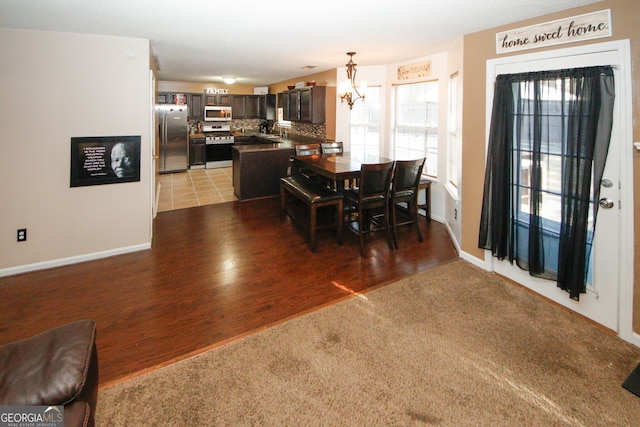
[(218, 140)]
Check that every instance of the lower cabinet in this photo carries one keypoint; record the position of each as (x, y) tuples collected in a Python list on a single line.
[(257, 173), (197, 153)]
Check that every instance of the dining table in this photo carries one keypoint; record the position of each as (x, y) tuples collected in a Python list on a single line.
[(345, 167), (339, 167)]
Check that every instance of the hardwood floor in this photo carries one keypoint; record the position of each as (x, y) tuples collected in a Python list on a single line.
[(215, 273)]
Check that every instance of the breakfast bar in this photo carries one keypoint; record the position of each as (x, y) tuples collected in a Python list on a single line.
[(259, 164)]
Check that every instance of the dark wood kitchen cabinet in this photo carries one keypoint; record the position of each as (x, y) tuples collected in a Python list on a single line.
[(197, 152), (252, 106), (245, 106), (217, 99), (237, 106), (195, 102), (294, 106), (267, 107), (312, 104), (283, 102), (257, 171), (164, 98), (307, 104), (224, 100)]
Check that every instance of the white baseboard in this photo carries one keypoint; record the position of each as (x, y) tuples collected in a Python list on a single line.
[(465, 255), (452, 236), (634, 339), (483, 264), (71, 260)]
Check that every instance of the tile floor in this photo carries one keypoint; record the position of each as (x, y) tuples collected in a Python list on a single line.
[(195, 187)]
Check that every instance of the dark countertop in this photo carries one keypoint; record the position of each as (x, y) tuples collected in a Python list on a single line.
[(273, 143)]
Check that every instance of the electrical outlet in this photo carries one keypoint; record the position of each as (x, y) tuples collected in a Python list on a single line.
[(22, 234)]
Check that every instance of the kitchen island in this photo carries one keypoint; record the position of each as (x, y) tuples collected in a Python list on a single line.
[(260, 162)]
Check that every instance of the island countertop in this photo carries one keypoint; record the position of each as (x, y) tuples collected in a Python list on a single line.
[(273, 142)]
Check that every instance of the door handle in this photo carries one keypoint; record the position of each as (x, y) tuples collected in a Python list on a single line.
[(606, 203)]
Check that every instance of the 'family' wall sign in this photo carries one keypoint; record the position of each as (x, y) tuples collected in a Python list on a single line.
[(589, 26)]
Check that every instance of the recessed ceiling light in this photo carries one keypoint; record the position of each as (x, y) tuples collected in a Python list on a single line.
[(309, 67), (229, 80)]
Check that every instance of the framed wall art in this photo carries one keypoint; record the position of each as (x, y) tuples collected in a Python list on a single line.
[(97, 160)]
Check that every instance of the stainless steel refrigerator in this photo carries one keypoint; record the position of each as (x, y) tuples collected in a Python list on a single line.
[(171, 120)]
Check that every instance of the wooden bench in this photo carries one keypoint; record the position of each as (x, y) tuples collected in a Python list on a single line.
[(314, 195)]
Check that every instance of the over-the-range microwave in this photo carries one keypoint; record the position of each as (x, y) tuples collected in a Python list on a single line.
[(216, 113)]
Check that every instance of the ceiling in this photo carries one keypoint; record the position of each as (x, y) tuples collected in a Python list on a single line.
[(264, 42)]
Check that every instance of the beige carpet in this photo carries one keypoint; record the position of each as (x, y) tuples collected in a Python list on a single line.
[(450, 346)]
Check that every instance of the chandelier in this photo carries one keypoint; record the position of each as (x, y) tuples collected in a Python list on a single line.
[(348, 91)]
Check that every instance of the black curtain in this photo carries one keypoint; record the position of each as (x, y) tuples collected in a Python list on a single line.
[(525, 121)]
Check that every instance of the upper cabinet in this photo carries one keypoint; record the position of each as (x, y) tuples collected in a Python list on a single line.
[(237, 107), (217, 99), (164, 98), (312, 104), (195, 102), (243, 106), (283, 102), (253, 106), (306, 104), (294, 105), (267, 107)]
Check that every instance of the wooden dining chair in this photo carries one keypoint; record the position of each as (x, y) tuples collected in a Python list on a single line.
[(336, 147), (307, 150), (404, 191), (370, 197)]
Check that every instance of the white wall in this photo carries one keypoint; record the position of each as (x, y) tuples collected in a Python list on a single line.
[(55, 86), (453, 207), (374, 76), (386, 76)]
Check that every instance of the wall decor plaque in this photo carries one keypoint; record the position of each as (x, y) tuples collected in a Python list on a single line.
[(589, 26), (414, 71)]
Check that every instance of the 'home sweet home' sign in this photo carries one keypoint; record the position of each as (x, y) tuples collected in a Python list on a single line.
[(578, 28)]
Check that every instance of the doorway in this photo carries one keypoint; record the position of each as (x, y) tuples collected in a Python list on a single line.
[(608, 298)]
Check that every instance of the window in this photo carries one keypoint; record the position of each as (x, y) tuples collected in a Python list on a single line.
[(365, 125), (415, 129), (553, 103), (453, 141)]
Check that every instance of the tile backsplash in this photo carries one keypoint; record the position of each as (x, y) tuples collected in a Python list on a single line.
[(297, 128)]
